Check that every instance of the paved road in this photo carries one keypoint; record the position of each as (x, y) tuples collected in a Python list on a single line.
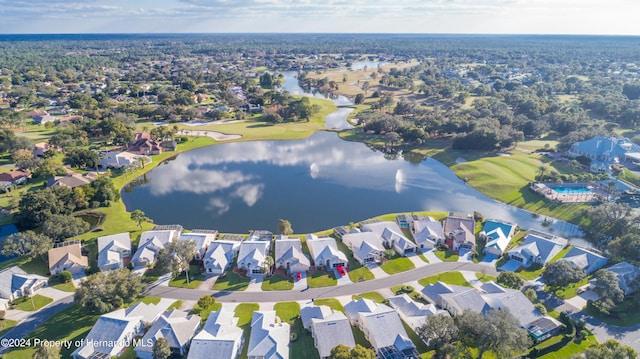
[(36, 319), (324, 292)]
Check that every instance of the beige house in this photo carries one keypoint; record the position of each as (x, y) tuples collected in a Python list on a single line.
[(67, 256)]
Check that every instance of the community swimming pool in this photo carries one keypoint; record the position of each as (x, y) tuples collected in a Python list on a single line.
[(571, 190)]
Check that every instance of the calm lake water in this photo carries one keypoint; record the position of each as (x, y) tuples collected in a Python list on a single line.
[(316, 183), (6, 231)]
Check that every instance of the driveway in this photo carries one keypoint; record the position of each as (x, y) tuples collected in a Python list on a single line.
[(626, 335), (510, 266), (464, 255), (471, 278), (377, 271), (580, 300), (417, 261), (431, 256), (342, 280), (302, 283), (255, 284)]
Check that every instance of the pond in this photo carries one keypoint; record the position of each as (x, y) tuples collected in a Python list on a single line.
[(316, 183), (6, 231)]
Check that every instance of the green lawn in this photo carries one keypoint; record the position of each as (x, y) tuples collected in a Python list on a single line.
[(303, 346), (533, 273), (321, 278), (231, 281), (65, 287), (244, 311), (31, 304), (148, 299), (359, 338), (374, 296), (360, 274), (287, 311), (71, 323), (569, 350), (330, 302), (397, 265), (277, 282), (424, 259), (6, 325), (625, 314), (447, 256), (454, 278), (195, 278), (485, 278), (569, 291), (421, 347)]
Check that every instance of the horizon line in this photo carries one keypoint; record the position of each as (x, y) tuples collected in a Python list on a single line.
[(319, 33)]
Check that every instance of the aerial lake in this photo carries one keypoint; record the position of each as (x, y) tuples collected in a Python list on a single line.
[(316, 183)]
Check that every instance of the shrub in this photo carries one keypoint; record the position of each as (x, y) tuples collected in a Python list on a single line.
[(406, 289), (65, 277), (293, 337), (541, 308)]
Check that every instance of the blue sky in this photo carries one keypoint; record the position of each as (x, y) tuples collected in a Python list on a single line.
[(351, 16)]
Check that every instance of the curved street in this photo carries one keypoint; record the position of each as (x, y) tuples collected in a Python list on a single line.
[(323, 292)]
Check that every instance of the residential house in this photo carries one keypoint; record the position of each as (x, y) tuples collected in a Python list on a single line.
[(269, 337), (383, 328), (123, 159), (113, 332), (219, 256), (169, 145), (412, 312), (585, 259), (67, 256), (604, 151), (150, 244), (328, 327), (72, 179), (537, 248), (367, 247), (325, 253), (220, 335), (252, 255), (627, 275), (13, 178), (176, 327), (391, 236), (428, 233), (340, 231), (113, 251), (43, 119), (145, 146), (16, 283), (460, 231), (497, 236), (41, 148), (289, 255), (202, 238)]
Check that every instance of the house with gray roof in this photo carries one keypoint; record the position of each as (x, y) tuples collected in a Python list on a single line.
[(219, 256), (113, 251), (537, 248), (391, 236), (176, 327), (289, 255), (604, 151), (252, 255), (325, 253), (202, 240), (428, 233), (585, 259), (220, 335), (114, 331), (497, 236), (328, 327), (412, 312), (460, 230), (433, 292), (367, 247), (269, 337), (150, 244), (16, 283), (627, 275), (383, 328)]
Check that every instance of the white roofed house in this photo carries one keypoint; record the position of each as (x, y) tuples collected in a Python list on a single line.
[(497, 236), (202, 240), (176, 327), (150, 244), (119, 160), (252, 255), (269, 337), (537, 248), (329, 328), (325, 253), (220, 335), (114, 331), (585, 259), (219, 256), (289, 255), (383, 328), (367, 247), (391, 236), (15, 283), (113, 251), (428, 233), (412, 312), (460, 230)]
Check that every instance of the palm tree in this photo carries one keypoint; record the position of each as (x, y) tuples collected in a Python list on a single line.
[(267, 264)]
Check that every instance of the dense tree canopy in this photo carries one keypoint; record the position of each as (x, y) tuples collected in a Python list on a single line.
[(104, 292), (561, 273)]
